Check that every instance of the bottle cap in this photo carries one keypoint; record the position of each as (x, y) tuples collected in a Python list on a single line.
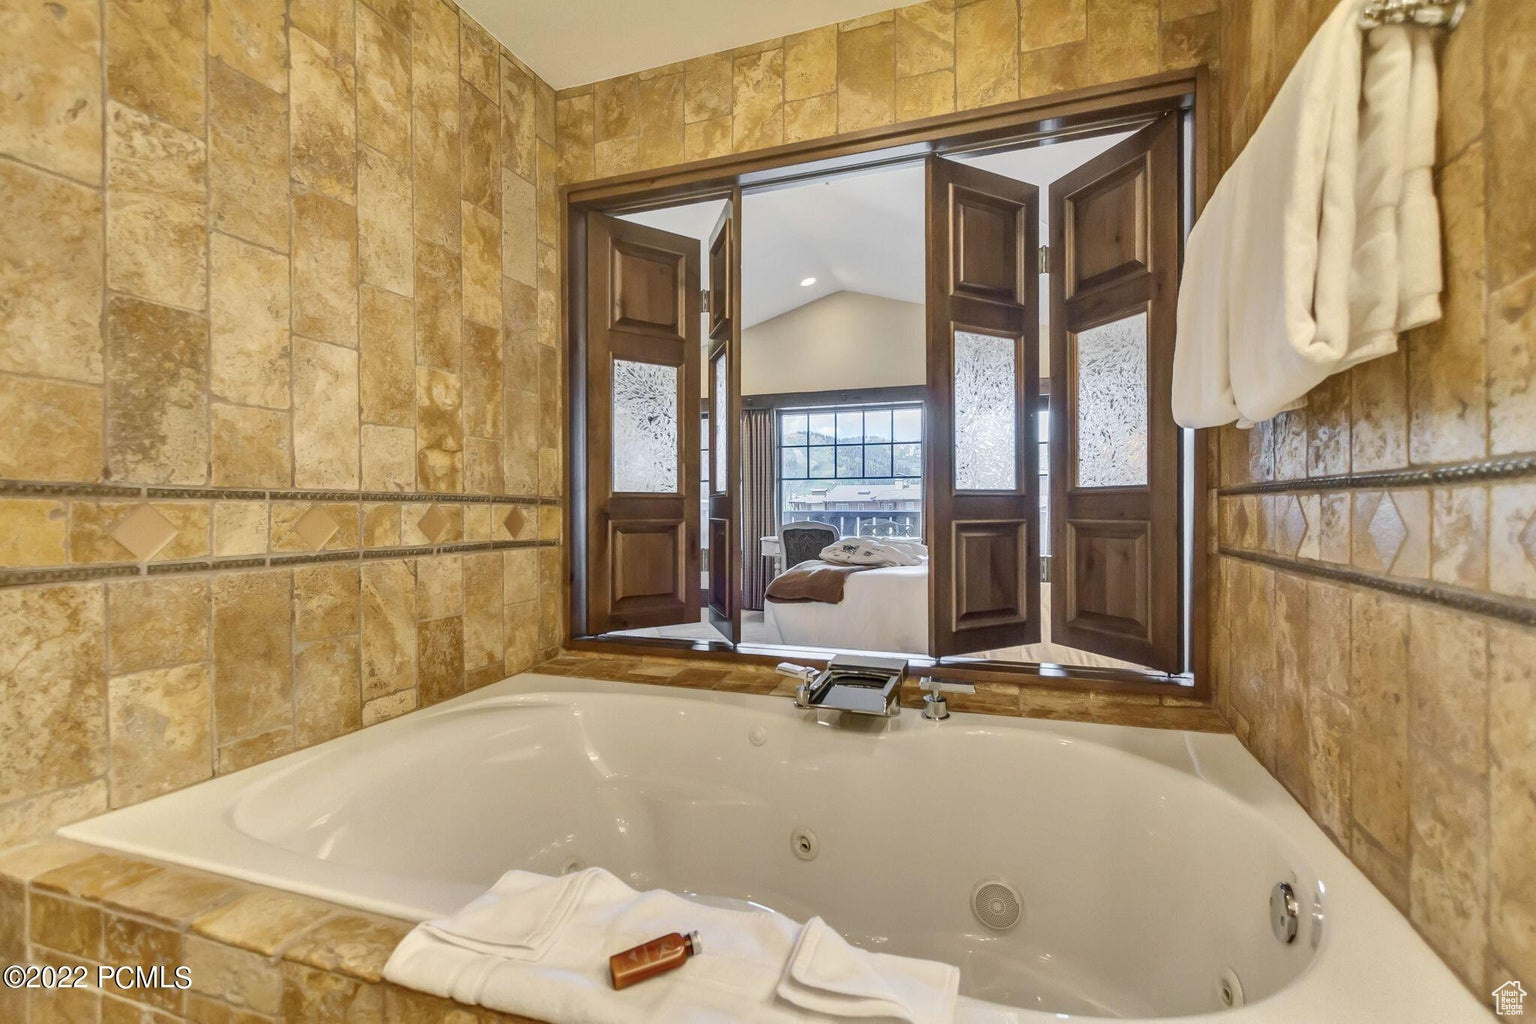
[(694, 943)]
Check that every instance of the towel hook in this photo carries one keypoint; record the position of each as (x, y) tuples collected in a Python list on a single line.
[(1446, 14)]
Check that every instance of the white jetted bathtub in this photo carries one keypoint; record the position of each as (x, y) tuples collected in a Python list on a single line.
[(1142, 860)]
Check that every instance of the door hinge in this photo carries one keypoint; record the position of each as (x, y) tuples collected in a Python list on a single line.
[(704, 300), (1045, 259), (1045, 568)]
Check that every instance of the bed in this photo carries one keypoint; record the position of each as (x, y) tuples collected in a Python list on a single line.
[(883, 609)]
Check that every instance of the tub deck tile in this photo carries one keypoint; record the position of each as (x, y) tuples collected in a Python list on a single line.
[(96, 876), (175, 896), (25, 863), (349, 944), (262, 921)]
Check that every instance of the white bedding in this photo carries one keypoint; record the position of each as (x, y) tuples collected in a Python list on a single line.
[(882, 609)]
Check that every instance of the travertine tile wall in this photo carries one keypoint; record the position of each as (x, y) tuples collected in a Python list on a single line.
[(280, 388), (1408, 728), (902, 65)]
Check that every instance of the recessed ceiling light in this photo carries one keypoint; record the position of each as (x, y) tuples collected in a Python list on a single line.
[(807, 282)]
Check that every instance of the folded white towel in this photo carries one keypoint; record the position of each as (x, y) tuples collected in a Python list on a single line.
[(827, 976), (871, 551), (483, 956), (1321, 242)]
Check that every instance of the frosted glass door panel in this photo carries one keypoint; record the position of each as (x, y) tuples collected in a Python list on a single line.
[(722, 445), (1111, 376), (986, 412), (645, 452)]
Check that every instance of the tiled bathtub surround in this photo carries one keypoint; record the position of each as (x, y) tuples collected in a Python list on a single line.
[(1405, 725), (255, 955), (281, 395)]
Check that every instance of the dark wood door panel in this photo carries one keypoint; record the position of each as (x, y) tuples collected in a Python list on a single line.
[(1115, 531), (641, 534), (721, 274), (983, 346), (724, 367)]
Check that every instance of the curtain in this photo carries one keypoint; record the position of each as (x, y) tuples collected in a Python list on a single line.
[(757, 494)]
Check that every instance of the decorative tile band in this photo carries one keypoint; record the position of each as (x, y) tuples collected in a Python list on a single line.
[(1509, 609), (43, 489), (1510, 467), (39, 577)]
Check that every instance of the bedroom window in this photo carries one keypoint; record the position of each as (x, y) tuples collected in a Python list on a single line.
[(859, 468)]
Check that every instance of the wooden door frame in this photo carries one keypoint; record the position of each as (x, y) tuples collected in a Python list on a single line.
[(1088, 110)]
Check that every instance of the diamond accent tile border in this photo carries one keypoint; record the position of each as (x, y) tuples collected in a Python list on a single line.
[(144, 532), (315, 527), (432, 523)]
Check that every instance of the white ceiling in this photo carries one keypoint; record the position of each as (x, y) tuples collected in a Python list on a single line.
[(860, 232), (574, 42)]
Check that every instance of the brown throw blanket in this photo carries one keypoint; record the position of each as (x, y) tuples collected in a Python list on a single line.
[(812, 580)]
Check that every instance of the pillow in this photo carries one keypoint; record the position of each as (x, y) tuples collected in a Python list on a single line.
[(872, 552)]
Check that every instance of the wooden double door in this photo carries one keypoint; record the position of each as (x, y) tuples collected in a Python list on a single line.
[(1114, 510)]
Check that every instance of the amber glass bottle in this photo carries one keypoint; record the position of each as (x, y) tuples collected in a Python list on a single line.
[(649, 959)]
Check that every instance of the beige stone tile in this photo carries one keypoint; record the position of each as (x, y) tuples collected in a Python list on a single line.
[(314, 526), (157, 197), (53, 733), (252, 653), (1448, 687), (986, 53), (325, 269), (1048, 23), (155, 55), (96, 876), (158, 723), (325, 690), (661, 140), (1512, 903), (1460, 535), (239, 754), (481, 255), (157, 401), (479, 57), (925, 39), (1463, 74), (261, 921), (615, 108), (239, 528), (325, 601), (617, 156), (382, 709), (1122, 38), (55, 429), (97, 534), (1512, 539), (157, 623), (1379, 433), (1511, 359), (349, 944), (33, 532), (327, 22), (249, 310), (707, 88), (24, 863), (386, 359), (1328, 757), (435, 61), (519, 236), (1448, 870), (248, 156), (127, 940), (758, 83), (381, 524), (435, 176), (322, 114), (234, 976), (439, 431), (311, 995), (866, 80), (325, 425), (1334, 530), (483, 468), (1379, 700), (384, 239), (925, 95), (389, 458), (479, 145), (484, 639), (50, 74), (28, 818), (810, 63), (813, 118), (1328, 412), (1511, 138), (249, 36), (440, 664), (1190, 42), (482, 381), (51, 232), (576, 149), (516, 118), (388, 650), (522, 644), (383, 86), (1447, 371), (64, 925), (439, 587)]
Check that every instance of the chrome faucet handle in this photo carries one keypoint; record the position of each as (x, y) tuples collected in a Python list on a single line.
[(805, 674), (935, 707)]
